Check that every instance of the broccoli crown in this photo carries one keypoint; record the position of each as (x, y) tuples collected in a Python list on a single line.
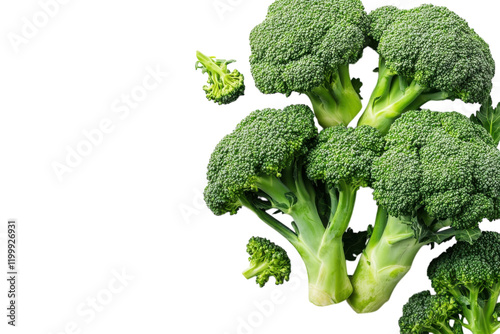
[(465, 264), (223, 86), (440, 162), (263, 144), (302, 42), (436, 48), (267, 259), (424, 312), (344, 154)]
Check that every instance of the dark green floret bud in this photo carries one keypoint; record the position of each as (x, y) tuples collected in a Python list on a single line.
[(267, 259)]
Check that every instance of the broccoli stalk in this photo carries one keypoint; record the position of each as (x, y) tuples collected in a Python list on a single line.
[(437, 179), (427, 53), (301, 174), (336, 101), (394, 95), (224, 86)]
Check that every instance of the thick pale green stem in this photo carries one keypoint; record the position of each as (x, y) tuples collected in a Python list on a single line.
[(387, 258), (209, 64), (391, 97), (331, 284), (336, 101)]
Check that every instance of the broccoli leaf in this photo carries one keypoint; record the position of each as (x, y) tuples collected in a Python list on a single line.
[(355, 242), (489, 118)]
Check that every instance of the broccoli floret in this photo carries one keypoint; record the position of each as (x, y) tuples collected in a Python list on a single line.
[(425, 313), (437, 179), (489, 118), (471, 274), (306, 47), (264, 165), (223, 86), (426, 54), (267, 259)]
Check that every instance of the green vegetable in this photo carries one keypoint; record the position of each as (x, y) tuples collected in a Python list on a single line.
[(275, 160), (266, 260), (437, 179), (427, 54), (223, 86), (489, 118), (306, 47)]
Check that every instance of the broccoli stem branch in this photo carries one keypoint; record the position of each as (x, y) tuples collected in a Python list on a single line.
[(392, 96), (335, 101), (209, 64), (255, 270), (331, 283), (386, 259)]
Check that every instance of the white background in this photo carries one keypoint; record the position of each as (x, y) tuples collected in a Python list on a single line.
[(134, 203)]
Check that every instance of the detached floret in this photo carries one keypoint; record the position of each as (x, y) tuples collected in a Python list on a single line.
[(438, 178), (223, 86), (425, 313), (427, 53), (306, 47), (266, 260), (471, 274)]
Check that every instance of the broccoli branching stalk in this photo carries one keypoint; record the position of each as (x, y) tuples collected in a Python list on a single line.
[(267, 259), (437, 179), (426, 54), (264, 165), (223, 86), (307, 47)]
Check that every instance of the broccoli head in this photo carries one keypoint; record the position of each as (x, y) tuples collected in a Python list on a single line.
[(266, 260), (223, 86), (471, 274), (425, 313), (307, 46), (426, 53), (437, 179)]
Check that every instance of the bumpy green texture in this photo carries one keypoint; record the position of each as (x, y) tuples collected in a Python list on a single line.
[(471, 274), (224, 86), (264, 165), (425, 313), (489, 118), (438, 178), (426, 53), (306, 46), (344, 154), (267, 259)]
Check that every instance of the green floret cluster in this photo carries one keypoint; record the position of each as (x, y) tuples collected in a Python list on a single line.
[(306, 47), (466, 279), (267, 259), (224, 86), (435, 176), (426, 313)]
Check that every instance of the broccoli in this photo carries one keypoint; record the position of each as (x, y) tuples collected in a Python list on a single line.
[(306, 47), (489, 118), (266, 260), (275, 160), (471, 274), (426, 313), (426, 54), (223, 87), (437, 179)]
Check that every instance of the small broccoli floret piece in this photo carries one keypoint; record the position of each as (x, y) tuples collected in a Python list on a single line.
[(427, 54), (489, 118), (306, 47), (266, 260), (425, 313), (471, 274), (437, 179), (223, 86)]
